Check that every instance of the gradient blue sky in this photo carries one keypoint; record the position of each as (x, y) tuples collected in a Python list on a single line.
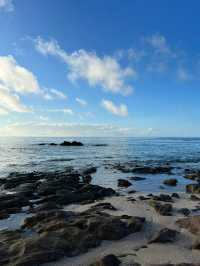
[(99, 68)]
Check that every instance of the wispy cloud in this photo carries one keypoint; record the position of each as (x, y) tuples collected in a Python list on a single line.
[(183, 74), (104, 71), (71, 129), (81, 102), (62, 110), (7, 5), (120, 110), (52, 94), (159, 43)]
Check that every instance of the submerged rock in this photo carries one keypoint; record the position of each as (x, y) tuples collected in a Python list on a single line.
[(137, 178), (170, 182), (153, 170), (124, 183)]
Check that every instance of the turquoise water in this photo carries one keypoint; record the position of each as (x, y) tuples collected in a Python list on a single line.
[(24, 154)]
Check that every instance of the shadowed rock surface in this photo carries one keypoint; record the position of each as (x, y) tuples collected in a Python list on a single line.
[(56, 233)]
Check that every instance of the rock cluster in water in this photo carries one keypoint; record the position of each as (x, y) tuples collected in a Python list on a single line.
[(64, 143)]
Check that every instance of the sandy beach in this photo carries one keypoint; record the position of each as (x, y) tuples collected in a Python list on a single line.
[(135, 248)]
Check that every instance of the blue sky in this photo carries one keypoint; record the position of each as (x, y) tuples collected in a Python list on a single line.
[(99, 68)]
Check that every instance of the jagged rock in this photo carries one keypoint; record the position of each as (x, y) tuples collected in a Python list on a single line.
[(164, 235)]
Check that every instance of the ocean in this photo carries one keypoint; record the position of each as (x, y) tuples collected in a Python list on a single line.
[(25, 155)]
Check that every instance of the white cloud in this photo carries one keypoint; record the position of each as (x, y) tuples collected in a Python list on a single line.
[(11, 102), (7, 5), (3, 111), (159, 43), (81, 101), (120, 110), (183, 74), (14, 80), (104, 71), (15, 77)]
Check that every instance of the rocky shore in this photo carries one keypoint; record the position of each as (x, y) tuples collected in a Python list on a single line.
[(69, 221)]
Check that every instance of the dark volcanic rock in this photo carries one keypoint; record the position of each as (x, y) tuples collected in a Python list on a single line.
[(162, 197), (175, 195), (60, 187), (162, 209), (59, 233), (170, 182), (108, 260), (124, 183), (164, 235), (103, 206), (73, 143)]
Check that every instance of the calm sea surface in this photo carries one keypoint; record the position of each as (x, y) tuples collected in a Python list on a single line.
[(25, 155)]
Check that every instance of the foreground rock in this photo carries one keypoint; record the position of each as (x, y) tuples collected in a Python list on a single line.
[(61, 188), (192, 224), (109, 260), (162, 209), (193, 188), (163, 236), (56, 233)]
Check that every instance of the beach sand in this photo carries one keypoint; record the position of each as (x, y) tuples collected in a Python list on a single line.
[(135, 247)]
